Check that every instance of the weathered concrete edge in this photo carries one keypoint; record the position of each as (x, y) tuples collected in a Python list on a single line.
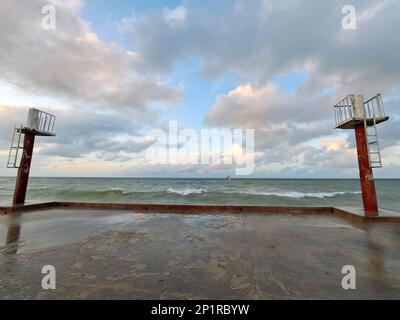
[(28, 207), (187, 208), (176, 208), (356, 217), (209, 209)]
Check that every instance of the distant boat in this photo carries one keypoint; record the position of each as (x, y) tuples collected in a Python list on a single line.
[(227, 178)]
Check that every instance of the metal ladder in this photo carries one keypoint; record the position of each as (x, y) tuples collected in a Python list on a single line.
[(374, 151), (15, 148)]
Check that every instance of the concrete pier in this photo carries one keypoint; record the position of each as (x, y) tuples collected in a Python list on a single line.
[(108, 253)]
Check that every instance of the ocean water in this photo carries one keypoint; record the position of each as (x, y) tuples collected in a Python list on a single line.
[(204, 191)]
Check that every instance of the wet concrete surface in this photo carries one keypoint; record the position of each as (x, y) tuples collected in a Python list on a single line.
[(105, 254)]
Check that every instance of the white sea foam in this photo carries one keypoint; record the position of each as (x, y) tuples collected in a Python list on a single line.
[(299, 195), (186, 191), (287, 194), (117, 189)]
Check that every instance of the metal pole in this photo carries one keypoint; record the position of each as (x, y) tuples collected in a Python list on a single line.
[(370, 201), (21, 184)]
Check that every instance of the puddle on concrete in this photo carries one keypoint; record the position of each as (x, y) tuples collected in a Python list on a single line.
[(38, 230), (35, 230)]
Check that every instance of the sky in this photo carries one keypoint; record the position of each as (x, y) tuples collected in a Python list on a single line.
[(112, 71)]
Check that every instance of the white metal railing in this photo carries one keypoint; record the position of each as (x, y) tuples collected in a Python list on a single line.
[(344, 109), (46, 122), (373, 108)]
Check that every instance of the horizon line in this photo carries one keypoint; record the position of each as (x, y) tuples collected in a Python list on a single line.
[(208, 178)]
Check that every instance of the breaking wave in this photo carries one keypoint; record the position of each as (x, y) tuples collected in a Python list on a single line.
[(299, 195), (120, 192), (187, 191), (273, 192)]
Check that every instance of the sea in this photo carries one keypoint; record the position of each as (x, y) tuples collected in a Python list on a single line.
[(281, 192)]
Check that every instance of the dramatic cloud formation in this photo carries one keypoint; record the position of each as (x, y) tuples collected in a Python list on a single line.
[(71, 61), (112, 95), (261, 106), (262, 39), (81, 132)]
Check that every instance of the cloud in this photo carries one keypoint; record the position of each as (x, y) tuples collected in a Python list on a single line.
[(10, 116), (260, 106), (263, 39), (254, 41), (71, 62), (73, 5), (109, 136), (277, 117), (296, 130), (175, 16)]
